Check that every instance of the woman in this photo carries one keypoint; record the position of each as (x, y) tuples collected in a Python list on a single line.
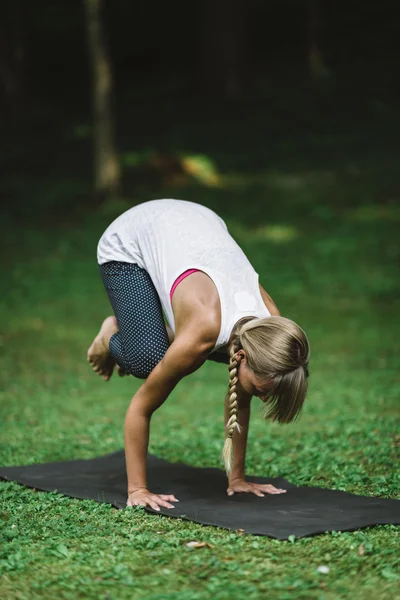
[(178, 257)]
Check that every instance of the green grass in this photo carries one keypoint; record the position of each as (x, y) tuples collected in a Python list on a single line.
[(316, 213)]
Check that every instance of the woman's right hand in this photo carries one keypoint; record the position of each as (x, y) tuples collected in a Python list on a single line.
[(142, 497)]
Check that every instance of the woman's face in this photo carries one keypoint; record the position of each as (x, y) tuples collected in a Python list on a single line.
[(249, 381)]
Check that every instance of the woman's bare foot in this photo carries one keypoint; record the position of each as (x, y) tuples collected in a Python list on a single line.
[(99, 354), (121, 371)]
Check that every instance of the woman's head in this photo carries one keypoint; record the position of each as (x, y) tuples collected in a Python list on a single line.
[(269, 359), (273, 358)]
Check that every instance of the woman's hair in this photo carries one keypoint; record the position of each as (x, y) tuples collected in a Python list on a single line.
[(277, 350)]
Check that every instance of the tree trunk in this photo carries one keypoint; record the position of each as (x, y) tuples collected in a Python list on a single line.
[(224, 47), (106, 163)]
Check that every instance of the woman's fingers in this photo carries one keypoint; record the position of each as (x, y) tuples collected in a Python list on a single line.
[(249, 490), (154, 501), (258, 489), (145, 502), (165, 504), (169, 497), (271, 489)]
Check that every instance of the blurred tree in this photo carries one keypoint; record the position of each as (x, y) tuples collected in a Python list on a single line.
[(224, 46), (106, 162), (12, 51)]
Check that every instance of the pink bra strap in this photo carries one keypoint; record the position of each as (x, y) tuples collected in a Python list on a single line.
[(179, 279)]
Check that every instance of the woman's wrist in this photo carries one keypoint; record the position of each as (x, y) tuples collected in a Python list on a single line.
[(132, 489), (236, 476)]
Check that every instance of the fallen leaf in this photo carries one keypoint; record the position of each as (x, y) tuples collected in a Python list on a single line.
[(198, 545), (85, 440), (323, 569), (361, 550)]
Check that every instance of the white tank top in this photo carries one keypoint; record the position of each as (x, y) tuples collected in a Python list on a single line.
[(168, 237)]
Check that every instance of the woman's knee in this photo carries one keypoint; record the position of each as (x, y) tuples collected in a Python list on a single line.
[(143, 362)]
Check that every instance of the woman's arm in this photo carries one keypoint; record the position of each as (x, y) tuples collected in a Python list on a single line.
[(237, 479), (185, 355)]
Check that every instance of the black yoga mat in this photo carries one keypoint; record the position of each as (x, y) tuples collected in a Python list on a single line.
[(302, 511)]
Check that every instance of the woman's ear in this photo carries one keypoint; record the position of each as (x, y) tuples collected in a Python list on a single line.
[(240, 355)]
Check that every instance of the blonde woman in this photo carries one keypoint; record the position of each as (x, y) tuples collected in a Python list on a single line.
[(178, 257)]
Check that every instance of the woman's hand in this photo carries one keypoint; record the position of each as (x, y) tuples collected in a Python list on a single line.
[(142, 497), (258, 489)]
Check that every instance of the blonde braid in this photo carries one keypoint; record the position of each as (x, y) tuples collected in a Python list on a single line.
[(232, 424)]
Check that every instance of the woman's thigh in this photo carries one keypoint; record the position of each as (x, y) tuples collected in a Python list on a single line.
[(142, 339)]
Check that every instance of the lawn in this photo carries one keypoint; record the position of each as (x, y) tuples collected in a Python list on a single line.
[(315, 207)]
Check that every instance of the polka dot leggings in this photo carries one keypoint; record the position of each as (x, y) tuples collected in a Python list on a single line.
[(142, 339)]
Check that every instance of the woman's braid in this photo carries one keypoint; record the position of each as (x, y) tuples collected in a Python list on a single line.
[(232, 423)]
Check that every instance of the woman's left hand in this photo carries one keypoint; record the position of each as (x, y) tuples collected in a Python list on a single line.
[(258, 489)]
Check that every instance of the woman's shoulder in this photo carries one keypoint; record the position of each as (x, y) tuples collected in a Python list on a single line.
[(269, 303)]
